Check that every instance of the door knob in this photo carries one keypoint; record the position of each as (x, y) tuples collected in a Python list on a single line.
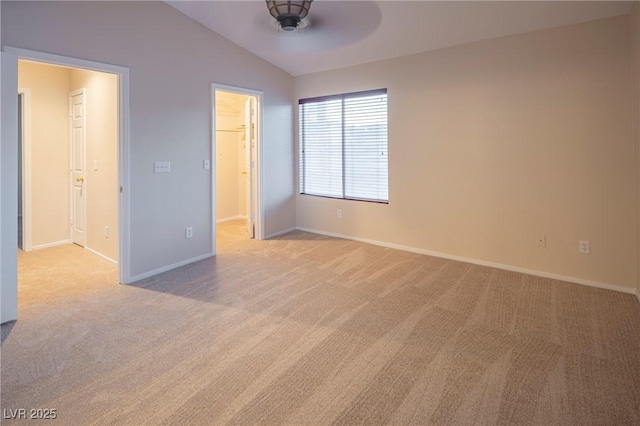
[(244, 173), (80, 179)]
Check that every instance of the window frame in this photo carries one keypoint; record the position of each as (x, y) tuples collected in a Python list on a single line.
[(301, 142)]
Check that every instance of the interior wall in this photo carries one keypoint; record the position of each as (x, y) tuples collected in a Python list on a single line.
[(8, 186), (226, 171), (228, 117), (635, 57), (495, 144), (49, 123), (172, 62), (101, 97)]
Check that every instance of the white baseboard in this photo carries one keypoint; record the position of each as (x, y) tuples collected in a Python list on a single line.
[(229, 219), (479, 262), (168, 268), (278, 233), (47, 245), (101, 255)]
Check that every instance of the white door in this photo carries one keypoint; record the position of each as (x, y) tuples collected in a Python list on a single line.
[(78, 175), (250, 162)]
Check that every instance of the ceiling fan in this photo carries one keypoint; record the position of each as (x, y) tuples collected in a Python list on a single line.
[(289, 13), (331, 24)]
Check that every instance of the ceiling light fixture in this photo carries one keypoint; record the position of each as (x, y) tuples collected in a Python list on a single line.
[(289, 13)]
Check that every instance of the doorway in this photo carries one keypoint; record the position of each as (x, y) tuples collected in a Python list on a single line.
[(236, 141), (73, 124), (9, 57)]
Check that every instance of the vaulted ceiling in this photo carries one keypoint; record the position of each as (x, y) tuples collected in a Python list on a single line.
[(338, 34)]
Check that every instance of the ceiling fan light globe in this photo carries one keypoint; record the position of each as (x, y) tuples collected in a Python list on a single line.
[(288, 13)]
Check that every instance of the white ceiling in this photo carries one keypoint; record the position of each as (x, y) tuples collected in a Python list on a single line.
[(344, 33)]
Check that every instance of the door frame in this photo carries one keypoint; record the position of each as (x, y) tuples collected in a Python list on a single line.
[(124, 267), (26, 168), (249, 146), (72, 223), (8, 187), (258, 208)]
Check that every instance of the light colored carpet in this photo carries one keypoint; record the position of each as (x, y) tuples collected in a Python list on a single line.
[(307, 329)]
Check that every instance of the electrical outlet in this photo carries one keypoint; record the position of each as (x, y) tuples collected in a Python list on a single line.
[(584, 247), (542, 241), (188, 232), (106, 232), (339, 213), (206, 164)]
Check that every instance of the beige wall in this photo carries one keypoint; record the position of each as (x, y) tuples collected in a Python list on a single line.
[(49, 151), (496, 143), (227, 194), (635, 56), (101, 97)]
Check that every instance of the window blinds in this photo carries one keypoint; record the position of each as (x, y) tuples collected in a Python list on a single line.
[(343, 146)]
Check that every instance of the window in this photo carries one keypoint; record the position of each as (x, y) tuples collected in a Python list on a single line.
[(343, 146)]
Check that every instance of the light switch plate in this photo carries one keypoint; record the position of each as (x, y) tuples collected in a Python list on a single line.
[(162, 167)]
